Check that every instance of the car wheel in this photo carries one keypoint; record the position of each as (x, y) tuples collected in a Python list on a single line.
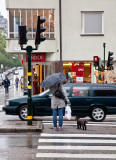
[(98, 114), (23, 113)]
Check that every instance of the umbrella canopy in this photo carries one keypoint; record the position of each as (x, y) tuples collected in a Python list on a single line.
[(53, 79)]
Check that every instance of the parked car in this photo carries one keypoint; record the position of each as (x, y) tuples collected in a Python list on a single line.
[(2, 77), (6, 73), (93, 100), (16, 72)]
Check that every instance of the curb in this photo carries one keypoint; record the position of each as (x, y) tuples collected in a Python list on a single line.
[(9, 129)]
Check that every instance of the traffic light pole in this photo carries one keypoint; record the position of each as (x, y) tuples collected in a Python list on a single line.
[(104, 45), (29, 50)]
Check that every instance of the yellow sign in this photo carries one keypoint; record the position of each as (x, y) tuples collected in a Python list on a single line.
[(29, 87), (29, 73), (29, 117)]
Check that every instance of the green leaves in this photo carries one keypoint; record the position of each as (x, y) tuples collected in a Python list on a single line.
[(6, 58)]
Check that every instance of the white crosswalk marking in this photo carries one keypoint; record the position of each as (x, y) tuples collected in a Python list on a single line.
[(87, 156), (105, 124), (71, 146), (76, 141), (110, 148)]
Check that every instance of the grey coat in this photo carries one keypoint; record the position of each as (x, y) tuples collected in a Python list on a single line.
[(57, 102)]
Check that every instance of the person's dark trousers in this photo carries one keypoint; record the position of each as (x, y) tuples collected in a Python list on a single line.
[(6, 90), (60, 111)]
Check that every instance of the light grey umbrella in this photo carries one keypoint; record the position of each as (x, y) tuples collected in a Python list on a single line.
[(53, 79)]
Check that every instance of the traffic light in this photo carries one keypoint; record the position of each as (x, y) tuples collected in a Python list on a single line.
[(96, 61), (110, 59), (22, 35), (39, 30)]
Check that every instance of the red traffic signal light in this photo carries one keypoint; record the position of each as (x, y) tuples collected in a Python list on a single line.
[(96, 61)]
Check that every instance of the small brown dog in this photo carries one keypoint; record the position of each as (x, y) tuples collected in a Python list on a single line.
[(81, 123)]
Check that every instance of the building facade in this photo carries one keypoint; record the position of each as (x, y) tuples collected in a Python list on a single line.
[(3, 24), (85, 26)]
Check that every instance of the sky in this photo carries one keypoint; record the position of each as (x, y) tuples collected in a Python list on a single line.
[(3, 8)]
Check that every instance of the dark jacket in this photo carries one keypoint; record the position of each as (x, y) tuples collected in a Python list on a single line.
[(6, 83)]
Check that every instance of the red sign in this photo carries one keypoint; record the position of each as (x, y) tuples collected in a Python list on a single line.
[(37, 57)]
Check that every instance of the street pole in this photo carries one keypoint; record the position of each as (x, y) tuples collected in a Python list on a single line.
[(104, 45), (99, 70), (29, 100), (29, 50), (60, 23)]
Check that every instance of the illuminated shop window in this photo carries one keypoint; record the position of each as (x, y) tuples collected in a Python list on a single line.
[(29, 18)]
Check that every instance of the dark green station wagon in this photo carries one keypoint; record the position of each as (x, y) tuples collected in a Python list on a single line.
[(93, 100)]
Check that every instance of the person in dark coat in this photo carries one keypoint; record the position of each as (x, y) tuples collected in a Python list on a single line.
[(17, 81), (58, 104), (6, 85)]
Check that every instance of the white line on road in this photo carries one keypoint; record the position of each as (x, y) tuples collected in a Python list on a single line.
[(103, 148), (78, 135), (69, 124), (76, 141), (66, 155)]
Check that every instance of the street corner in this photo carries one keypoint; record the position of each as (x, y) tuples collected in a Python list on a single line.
[(20, 126)]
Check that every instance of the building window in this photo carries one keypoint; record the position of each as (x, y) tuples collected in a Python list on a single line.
[(92, 23), (29, 18)]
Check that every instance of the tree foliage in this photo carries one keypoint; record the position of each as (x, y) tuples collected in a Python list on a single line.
[(5, 58)]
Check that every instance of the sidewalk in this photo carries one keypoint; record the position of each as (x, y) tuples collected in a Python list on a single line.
[(20, 126), (1, 108)]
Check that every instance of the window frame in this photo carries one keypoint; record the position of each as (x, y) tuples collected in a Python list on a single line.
[(83, 24), (50, 34), (81, 87)]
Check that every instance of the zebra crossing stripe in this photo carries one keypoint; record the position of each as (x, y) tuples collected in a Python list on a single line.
[(89, 124), (66, 155), (79, 135), (103, 148), (76, 141), (74, 122)]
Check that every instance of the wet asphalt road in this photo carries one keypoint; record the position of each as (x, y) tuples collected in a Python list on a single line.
[(96, 141), (23, 146)]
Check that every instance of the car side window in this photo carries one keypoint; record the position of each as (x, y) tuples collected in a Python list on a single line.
[(66, 90), (80, 92), (105, 92)]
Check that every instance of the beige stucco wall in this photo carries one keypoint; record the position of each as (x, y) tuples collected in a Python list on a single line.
[(48, 46), (77, 47)]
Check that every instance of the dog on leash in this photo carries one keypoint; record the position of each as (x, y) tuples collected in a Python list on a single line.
[(81, 123)]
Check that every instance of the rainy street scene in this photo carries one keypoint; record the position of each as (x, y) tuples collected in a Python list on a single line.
[(57, 80)]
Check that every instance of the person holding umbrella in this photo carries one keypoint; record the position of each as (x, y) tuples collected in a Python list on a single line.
[(54, 82), (58, 104)]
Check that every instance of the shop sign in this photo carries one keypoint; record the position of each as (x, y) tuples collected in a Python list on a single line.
[(38, 57), (79, 79)]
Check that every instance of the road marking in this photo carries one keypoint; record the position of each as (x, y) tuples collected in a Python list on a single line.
[(74, 122), (78, 135), (76, 141), (108, 148), (66, 155), (69, 124)]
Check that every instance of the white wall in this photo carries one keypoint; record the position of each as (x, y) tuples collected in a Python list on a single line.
[(48, 46), (77, 47)]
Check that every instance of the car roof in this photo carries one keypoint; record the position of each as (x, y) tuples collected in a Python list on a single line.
[(90, 84)]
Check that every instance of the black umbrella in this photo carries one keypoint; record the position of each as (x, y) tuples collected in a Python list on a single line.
[(53, 79)]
